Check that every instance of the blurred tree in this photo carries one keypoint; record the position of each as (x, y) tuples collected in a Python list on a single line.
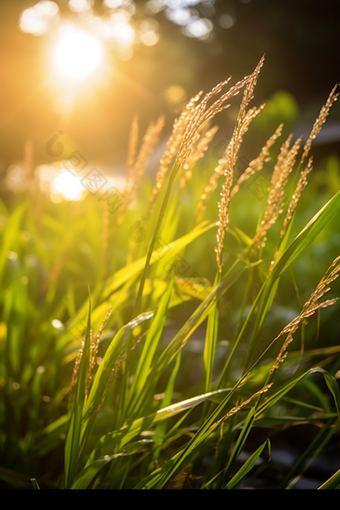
[(159, 54)]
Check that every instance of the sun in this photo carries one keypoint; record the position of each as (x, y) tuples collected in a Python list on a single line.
[(77, 54), (67, 186)]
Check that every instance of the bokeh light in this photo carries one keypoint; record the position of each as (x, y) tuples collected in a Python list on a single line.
[(124, 23), (175, 94), (37, 20)]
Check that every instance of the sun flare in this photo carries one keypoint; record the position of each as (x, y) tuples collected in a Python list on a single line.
[(67, 186), (77, 54)]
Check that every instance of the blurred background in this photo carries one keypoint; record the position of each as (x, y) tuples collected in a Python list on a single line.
[(85, 67)]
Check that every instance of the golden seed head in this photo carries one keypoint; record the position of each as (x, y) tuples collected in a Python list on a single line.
[(320, 121)]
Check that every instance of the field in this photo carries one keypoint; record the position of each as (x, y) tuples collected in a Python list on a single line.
[(165, 332)]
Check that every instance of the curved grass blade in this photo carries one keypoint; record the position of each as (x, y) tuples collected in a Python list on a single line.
[(186, 331), (266, 294), (160, 476), (332, 483), (329, 380), (210, 341), (87, 474), (50, 436), (247, 466), (117, 439), (72, 444), (103, 374), (258, 411), (131, 271), (150, 345), (319, 221)]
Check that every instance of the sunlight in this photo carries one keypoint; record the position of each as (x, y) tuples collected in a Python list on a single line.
[(67, 186), (77, 54)]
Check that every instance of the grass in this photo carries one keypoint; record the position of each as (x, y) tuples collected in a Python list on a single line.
[(101, 386)]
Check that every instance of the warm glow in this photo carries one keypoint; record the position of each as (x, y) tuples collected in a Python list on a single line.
[(68, 186), (77, 54), (37, 20)]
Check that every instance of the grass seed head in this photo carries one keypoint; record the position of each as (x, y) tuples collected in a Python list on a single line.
[(320, 121), (309, 308)]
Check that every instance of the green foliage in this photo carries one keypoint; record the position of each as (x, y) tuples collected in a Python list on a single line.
[(153, 405)]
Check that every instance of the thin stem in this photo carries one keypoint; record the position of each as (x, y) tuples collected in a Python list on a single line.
[(174, 171)]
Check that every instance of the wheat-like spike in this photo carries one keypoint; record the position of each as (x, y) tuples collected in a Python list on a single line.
[(197, 153), (227, 166), (302, 183), (229, 158), (309, 308), (282, 169), (149, 143), (173, 144), (236, 409), (249, 90), (192, 123), (223, 215), (201, 115), (257, 164), (282, 354), (76, 370), (198, 117), (281, 161), (94, 344), (320, 121)]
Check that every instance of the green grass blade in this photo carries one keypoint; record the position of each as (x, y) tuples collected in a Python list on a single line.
[(210, 341), (160, 476), (329, 379), (247, 466), (150, 345), (188, 328), (331, 432), (104, 371), (117, 439), (332, 483), (35, 483), (131, 271), (162, 426), (50, 436), (87, 474), (307, 235), (72, 445), (265, 298), (300, 462)]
